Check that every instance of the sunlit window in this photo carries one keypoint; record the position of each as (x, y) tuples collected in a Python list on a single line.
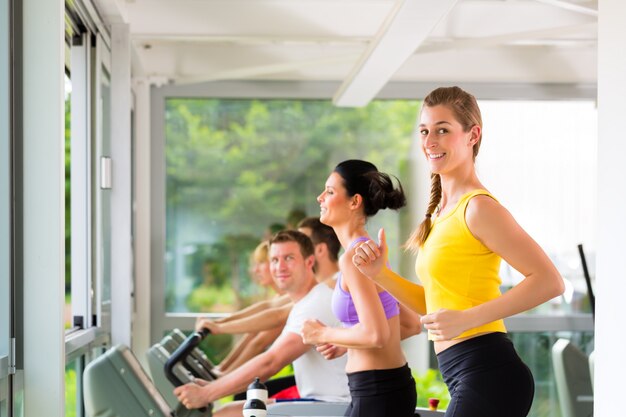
[(237, 170), (68, 204), (539, 159)]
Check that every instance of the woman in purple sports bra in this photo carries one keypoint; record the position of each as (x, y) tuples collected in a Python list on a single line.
[(379, 378)]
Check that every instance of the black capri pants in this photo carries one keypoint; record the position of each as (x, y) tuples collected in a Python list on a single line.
[(382, 393), (486, 378)]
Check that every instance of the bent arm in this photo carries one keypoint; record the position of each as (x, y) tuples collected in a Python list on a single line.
[(371, 259), (410, 323), (264, 320), (373, 329), (496, 228), (285, 350), (226, 365), (255, 308), (406, 292), (255, 346)]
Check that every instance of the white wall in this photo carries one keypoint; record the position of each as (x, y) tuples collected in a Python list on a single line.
[(610, 353)]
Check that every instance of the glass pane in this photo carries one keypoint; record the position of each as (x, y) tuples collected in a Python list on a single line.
[(238, 168), (4, 397), (536, 351), (73, 402), (68, 204), (105, 94), (520, 142), (17, 387)]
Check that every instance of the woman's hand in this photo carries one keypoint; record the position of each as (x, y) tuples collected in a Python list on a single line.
[(330, 351), (370, 258), (210, 325), (312, 332), (446, 324), (192, 395)]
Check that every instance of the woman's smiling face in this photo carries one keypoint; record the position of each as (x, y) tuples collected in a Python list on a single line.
[(334, 200), (444, 142)]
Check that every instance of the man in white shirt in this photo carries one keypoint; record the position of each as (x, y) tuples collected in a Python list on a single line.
[(291, 264)]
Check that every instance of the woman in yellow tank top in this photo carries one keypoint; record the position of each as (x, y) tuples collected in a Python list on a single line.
[(460, 243)]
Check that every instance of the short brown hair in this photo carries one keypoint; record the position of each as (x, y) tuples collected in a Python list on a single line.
[(321, 233), (303, 241)]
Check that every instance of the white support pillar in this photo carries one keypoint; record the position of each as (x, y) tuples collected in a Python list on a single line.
[(141, 332), (417, 348), (42, 213), (121, 204), (610, 338)]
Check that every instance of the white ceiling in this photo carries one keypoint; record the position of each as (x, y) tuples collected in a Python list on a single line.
[(504, 41)]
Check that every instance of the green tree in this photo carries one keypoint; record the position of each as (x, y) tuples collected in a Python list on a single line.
[(68, 197), (235, 166)]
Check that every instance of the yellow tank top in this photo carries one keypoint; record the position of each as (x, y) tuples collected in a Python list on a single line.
[(458, 272)]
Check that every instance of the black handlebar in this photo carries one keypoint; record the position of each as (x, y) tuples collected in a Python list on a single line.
[(592, 297), (181, 353)]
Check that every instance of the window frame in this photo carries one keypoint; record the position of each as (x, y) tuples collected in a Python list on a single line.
[(89, 53), (6, 232)]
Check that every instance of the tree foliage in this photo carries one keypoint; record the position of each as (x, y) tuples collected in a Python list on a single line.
[(233, 167)]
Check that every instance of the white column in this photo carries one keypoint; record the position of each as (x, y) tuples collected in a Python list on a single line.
[(610, 337), (42, 214), (141, 324), (417, 348), (121, 204)]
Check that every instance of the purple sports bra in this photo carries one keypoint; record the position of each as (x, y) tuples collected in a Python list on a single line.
[(343, 306)]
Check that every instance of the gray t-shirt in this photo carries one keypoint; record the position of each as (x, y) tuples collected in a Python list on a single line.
[(317, 377)]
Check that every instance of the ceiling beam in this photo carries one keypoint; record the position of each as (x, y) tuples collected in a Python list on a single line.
[(250, 40), (571, 7), (509, 38), (403, 31), (260, 70)]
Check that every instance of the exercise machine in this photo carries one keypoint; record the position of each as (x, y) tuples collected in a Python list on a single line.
[(193, 364), (115, 385)]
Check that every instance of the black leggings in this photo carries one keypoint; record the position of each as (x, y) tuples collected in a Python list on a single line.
[(382, 393), (486, 378)]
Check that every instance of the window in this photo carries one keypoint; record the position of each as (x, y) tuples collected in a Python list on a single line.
[(87, 133), (238, 168), (539, 159), (235, 167), (73, 395), (68, 202)]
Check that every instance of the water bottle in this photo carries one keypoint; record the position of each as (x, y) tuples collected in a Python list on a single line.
[(257, 390), (254, 408), (256, 396)]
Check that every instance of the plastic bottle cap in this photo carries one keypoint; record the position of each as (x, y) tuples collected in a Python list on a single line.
[(257, 384)]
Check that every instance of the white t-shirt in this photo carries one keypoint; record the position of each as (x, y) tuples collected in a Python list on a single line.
[(317, 377)]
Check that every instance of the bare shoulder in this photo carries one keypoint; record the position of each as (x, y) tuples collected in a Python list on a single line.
[(345, 259), (351, 276), (484, 215), (481, 206)]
